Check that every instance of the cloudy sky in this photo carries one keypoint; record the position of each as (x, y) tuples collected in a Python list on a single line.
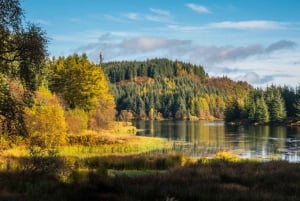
[(253, 40)]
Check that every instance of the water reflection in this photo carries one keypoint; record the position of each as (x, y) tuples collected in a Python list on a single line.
[(199, 138)]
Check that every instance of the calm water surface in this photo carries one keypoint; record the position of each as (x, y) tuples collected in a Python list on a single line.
[(205, 138)]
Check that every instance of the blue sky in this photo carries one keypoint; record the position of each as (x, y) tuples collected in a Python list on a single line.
[(252, 40)]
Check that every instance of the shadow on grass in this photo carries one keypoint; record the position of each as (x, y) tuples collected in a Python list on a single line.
[(63, 179)]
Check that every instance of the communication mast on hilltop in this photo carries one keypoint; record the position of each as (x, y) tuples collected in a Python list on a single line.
[(100, 58)]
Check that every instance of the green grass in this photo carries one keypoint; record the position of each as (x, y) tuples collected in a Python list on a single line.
[(126, 145), (96, 144)]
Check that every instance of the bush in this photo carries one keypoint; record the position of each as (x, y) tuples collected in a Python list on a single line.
[(77, 121), (227, 156)]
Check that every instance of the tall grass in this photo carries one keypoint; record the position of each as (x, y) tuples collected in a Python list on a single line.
[(216, 180), (127, 145)]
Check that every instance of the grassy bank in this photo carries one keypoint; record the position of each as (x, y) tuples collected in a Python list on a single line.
[(119, 139)]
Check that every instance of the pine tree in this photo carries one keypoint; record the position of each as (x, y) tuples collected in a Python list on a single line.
[(232, 111), (297, 108), (297, 103), (261, 111), (277, 108), (251, 108)]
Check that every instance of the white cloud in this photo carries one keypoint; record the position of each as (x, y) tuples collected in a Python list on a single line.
[(198, 8), (160, 11), (151, 43), (252, 24), (132, 16), (158, 15), (155, 15), (144, 43), (256, 79), (185, 28), (209, 55)]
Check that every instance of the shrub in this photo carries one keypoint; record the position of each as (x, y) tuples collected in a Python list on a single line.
[(77, 121), (227, 156)]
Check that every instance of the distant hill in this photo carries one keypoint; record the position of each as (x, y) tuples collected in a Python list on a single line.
[(161, 88), (154, 68)]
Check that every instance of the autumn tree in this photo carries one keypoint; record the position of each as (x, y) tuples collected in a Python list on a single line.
[(22, 55), (11, 107), (78, 81), (45, 120), (83, 85)]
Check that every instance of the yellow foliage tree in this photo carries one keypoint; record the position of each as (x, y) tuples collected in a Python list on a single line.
[(80, 82), (83, 86), (45, 120)]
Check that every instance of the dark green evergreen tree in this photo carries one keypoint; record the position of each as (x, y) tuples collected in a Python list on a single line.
[(297, 108), (297, 103), (261, 114), (289, 97), (277, 108), (232, 111)]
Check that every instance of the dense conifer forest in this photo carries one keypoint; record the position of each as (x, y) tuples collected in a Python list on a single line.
[(161, 88)]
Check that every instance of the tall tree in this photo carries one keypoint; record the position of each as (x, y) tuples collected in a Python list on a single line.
[(297, 108), (22, 52), (261, 111), (10, 25), (11, 107), (232, 111), (289, 97), (297, 103), (32, 54), (22, 49), (276, 105), (78, 81)]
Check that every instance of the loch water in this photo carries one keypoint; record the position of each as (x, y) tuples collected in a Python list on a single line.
[(206, 138)]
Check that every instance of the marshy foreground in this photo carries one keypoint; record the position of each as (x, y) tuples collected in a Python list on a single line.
[(122, 166), (147, 177)]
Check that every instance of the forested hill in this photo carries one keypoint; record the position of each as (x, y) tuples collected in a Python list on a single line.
[(129, 70), (161, 88)]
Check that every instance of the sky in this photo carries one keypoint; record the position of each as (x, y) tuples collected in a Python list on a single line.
[(257, 41)]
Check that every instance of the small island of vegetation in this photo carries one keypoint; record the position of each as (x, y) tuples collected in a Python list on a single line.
[(66, 134)]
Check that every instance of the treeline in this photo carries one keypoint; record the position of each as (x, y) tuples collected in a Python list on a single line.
[(153, 68), (161, 88), (275, 104)]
